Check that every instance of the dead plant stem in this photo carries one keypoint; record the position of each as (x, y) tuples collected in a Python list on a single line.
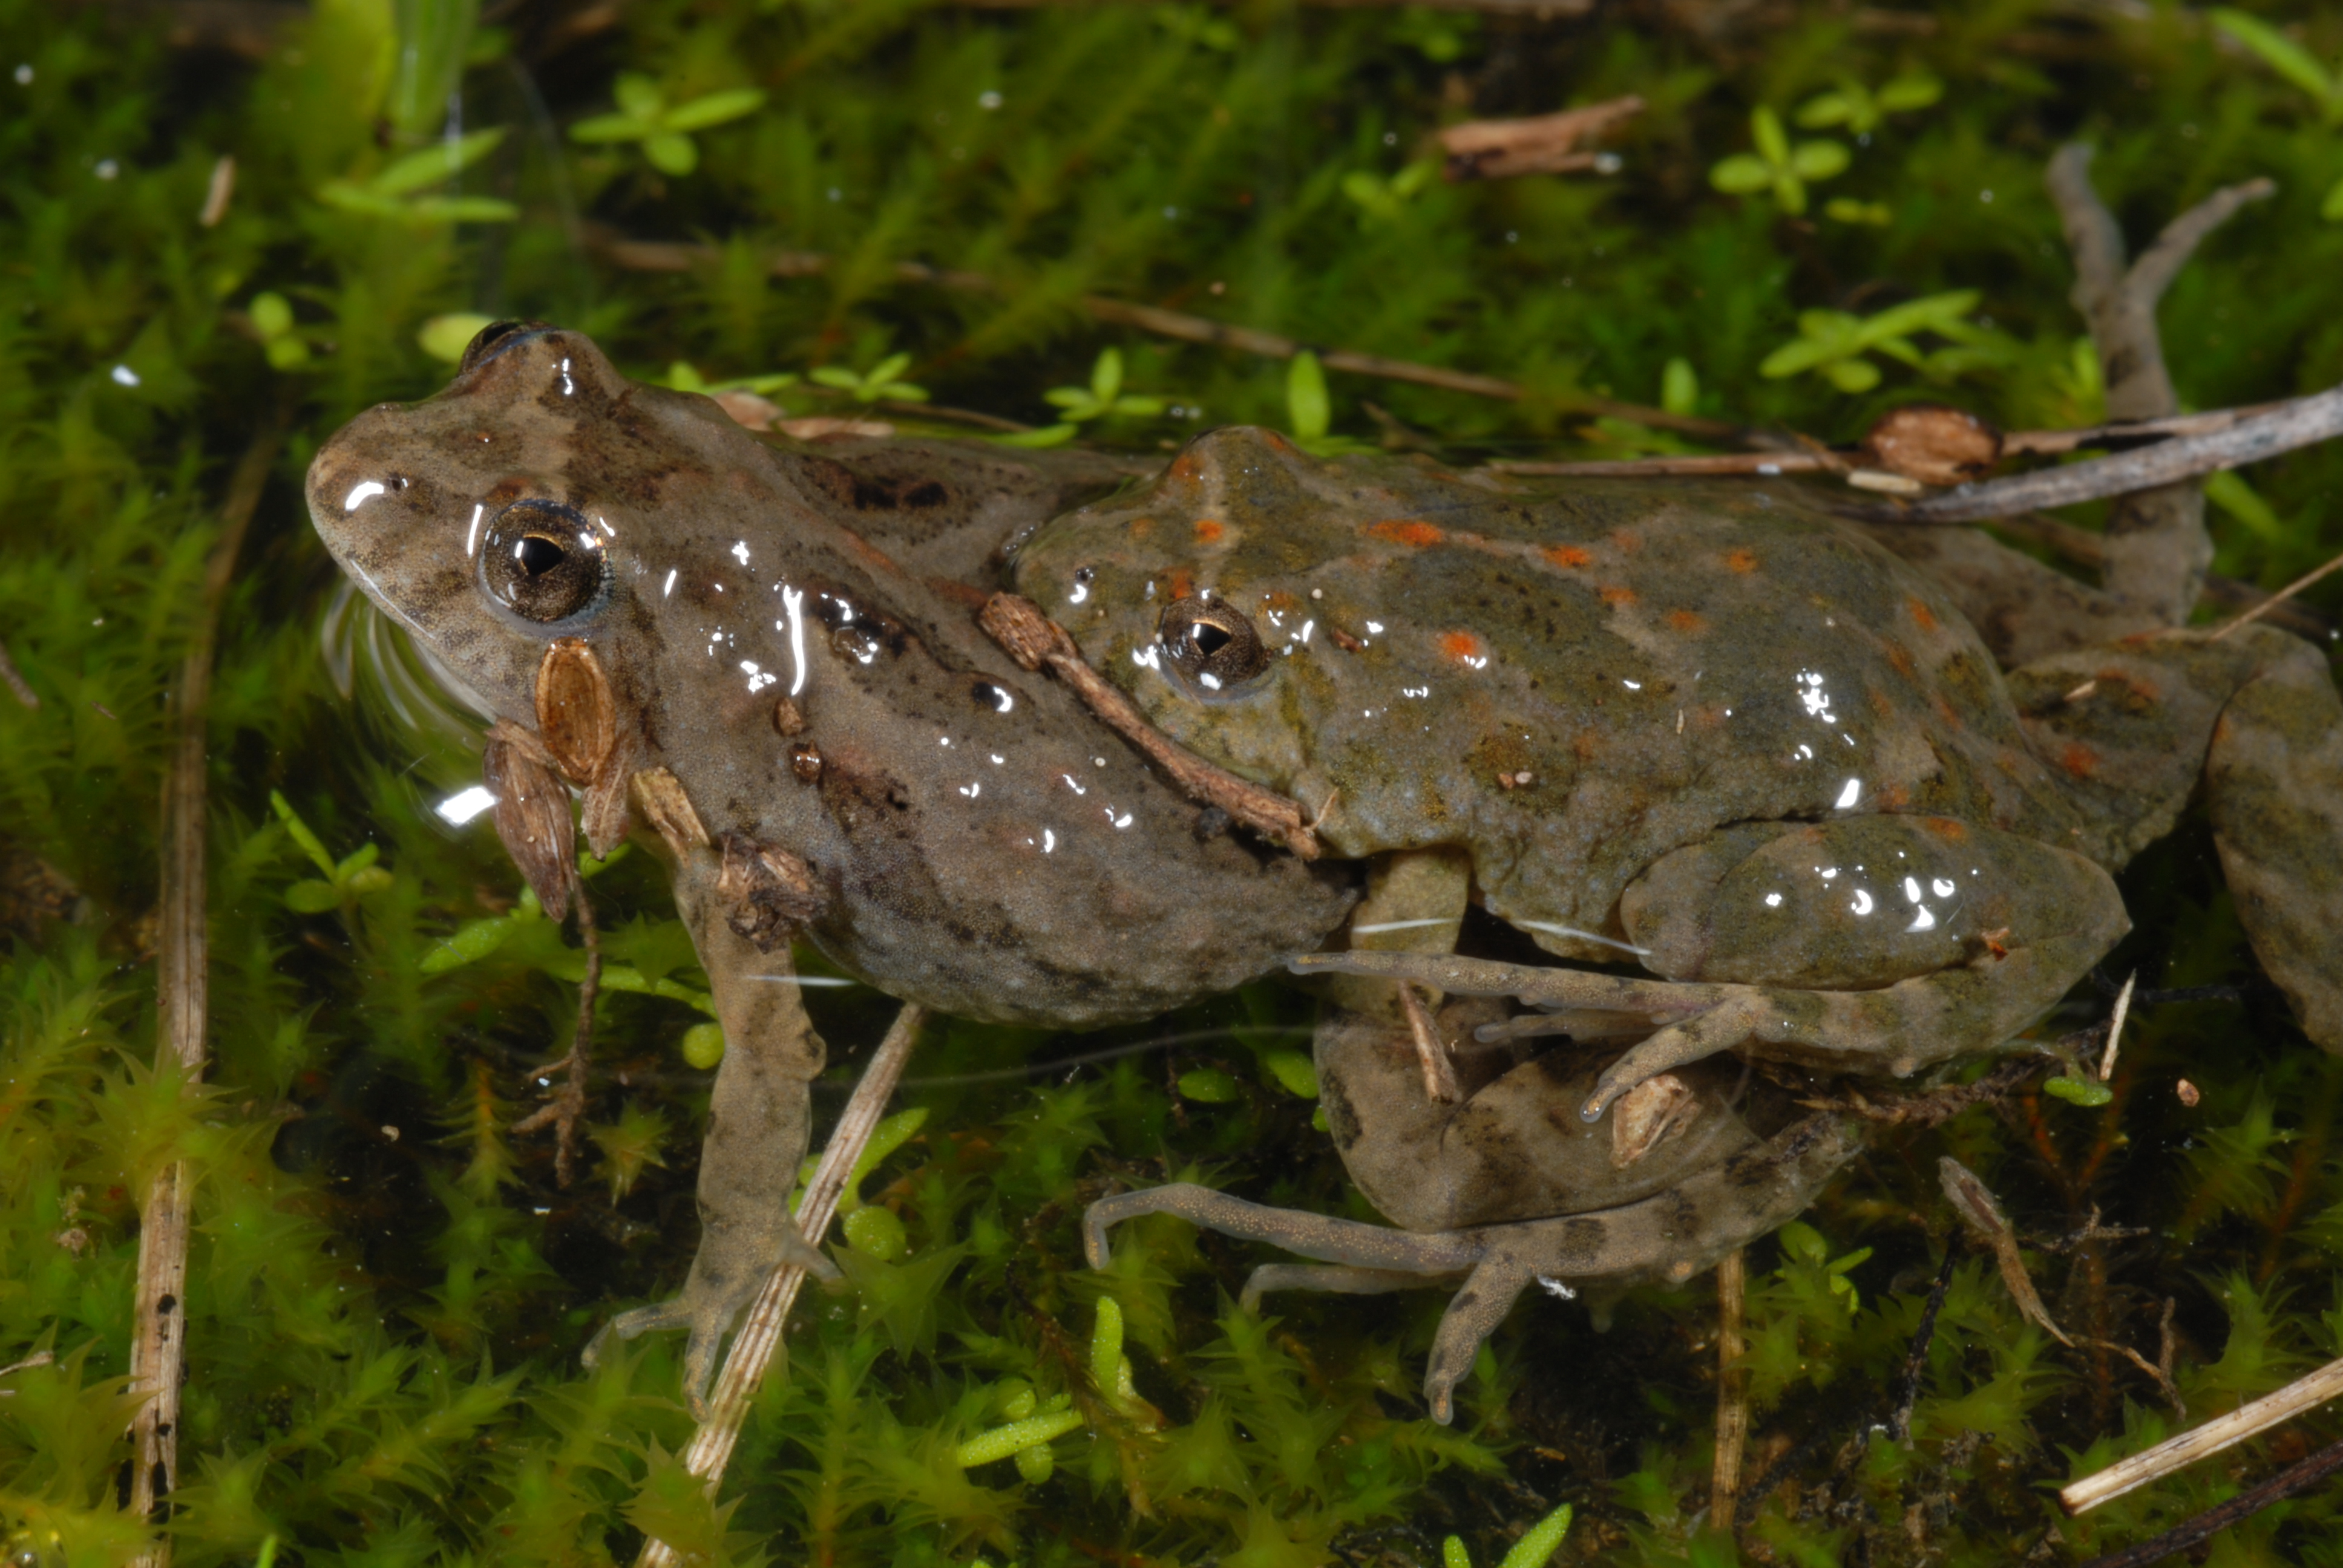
[(158, 1341)]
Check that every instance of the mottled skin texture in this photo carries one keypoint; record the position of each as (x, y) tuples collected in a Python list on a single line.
[(1709, 727), (1615, 716), (980, 846)]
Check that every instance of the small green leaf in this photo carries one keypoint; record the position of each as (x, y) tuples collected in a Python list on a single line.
[(703, 1045), (372, 880), (271, 315), (462, 210), (1106, 375), (1293, 1071), (1846, 210), (878, 1233), (714, 109), (434, 165), (2228, 490), (1773, 142), (1819, 160), (1679, 386), (299, 832), (1538, 1542), (469, 943), (638, 95), (671, 152), (1453, 1554), (2331, 209), (1743, 174), (1306, 403), (446, 337), (1916, 90), (835, 376), (1209, 1086), (357, 860), (1826, 109), (1035, 1464), (2083, 1092), (887, 369), (309, 897), (607, 128), (1003, 1442), (286, 353), (1852, 375)]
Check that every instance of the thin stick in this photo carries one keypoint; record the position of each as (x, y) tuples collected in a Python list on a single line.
[(1764, 465), (2284, 594), (2296, 1478), (157, 1338), (1440, 1085), (2179, 1452), (2299, 422), (674, 256), (16, 680), (760, 1339), (1732, 1389)]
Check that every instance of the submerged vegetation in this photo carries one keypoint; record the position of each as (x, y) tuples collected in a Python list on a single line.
[(228, 229)]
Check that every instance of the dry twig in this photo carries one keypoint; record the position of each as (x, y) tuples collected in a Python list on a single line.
[(2287, 1483), (2223, 1432), (1033, 639), (759, 1336), (2279, 598), (1732, 1389), (157, 1338), (1542, 145), (1980, 1210)]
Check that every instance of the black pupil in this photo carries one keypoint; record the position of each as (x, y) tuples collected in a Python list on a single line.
[(539, 555), (1208, 638)]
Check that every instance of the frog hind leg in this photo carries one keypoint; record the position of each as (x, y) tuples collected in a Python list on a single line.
[(758, 1129), (2135, 727), (2274, 785), (1668, 1237)]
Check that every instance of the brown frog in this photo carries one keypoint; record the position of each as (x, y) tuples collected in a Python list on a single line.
[(1713, 731)]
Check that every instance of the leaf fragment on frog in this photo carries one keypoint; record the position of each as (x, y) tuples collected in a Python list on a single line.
[(1981, 1213), (1648, 1115), (532, 814), (658, 795)]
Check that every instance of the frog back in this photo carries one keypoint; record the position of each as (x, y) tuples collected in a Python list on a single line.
[(1569, 680)]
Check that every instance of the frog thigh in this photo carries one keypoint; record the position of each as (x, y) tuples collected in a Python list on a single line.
[(756, 1134), (2274, 784)]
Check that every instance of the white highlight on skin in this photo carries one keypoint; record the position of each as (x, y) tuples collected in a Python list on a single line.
[(669, 587), (1942, 887), (464, 805), (1849, 796), (360, 494), (1773, 900), (472, 535), (1912, 890), (1921, 921), (1381, 926), (793, 602), (1862, 905)]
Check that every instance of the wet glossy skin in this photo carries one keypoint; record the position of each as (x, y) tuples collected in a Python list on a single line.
[(966, 819), (1697, 728)]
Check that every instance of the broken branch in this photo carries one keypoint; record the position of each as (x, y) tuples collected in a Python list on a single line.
[(2223, 1432)]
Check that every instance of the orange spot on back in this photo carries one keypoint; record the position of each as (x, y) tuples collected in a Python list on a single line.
[(1899, 659), (1628, 541), (1463, 647), (1407, 531), (1209, 530), (1279, 601), (1742, 561), (1950, 830), (1182, 585), (1141, 527), (1185, 469), (1566, 555), (1615, 594), (1686, 620), (2079, 761), (1922, 616)]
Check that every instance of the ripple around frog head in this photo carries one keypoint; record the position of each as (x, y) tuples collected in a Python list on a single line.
[(404, 697)]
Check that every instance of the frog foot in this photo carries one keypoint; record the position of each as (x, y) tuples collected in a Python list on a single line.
[(1667, 1238), (737, 1255), (1903, 1027)]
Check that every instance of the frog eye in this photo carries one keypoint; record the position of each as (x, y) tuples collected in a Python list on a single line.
[(489, 339), (1210, 642), (542, 559)]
